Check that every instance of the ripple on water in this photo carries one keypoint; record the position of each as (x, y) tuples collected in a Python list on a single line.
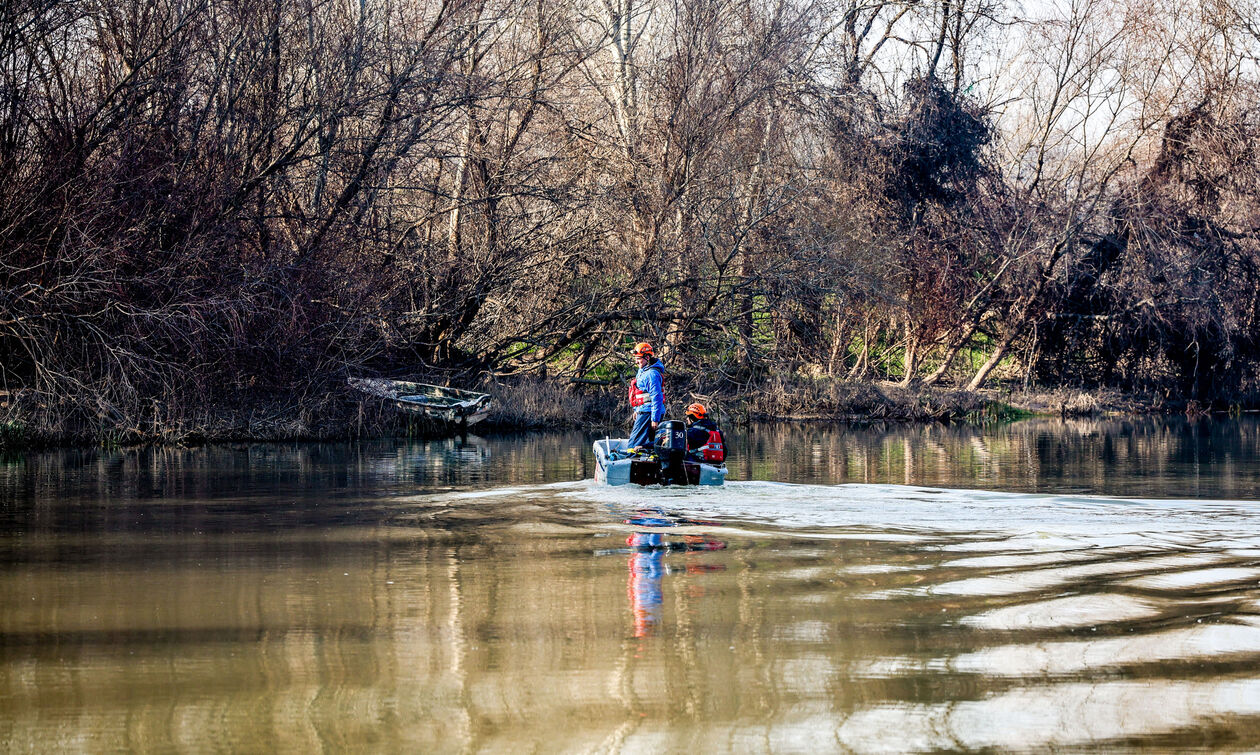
[(1197, 643), (1062, 613), (1056, 715), (1041, 579), (1182, 580)]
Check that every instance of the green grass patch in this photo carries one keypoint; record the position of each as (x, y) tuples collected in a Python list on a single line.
[(606, 371), (12, 433)]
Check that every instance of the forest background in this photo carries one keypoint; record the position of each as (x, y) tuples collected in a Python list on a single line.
[(214, 212)]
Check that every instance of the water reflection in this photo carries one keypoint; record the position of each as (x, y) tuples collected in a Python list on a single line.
[(647, 567), (480, 595), (1145, 457)]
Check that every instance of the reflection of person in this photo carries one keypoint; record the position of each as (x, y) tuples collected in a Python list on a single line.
[(705, 441), (647, 565), (647, 396)]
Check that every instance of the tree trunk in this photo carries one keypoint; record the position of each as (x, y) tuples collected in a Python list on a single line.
[(863, 364), (994, 358), (837, 341), (951, 354), (912, 355), (584, 358), (753, 191), (457, 192)]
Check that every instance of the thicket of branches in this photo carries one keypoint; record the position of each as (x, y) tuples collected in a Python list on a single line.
[(207, 201)]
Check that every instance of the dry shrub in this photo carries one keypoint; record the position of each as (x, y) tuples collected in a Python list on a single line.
[(534, 402), (859, 400), (785, 398), (1067, 402), (1079, 404), (950, 404)]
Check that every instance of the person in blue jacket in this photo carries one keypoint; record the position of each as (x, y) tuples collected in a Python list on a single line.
[(647, 396)]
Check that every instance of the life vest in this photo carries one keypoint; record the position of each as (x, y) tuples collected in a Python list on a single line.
[(638, 397), (715, 449)]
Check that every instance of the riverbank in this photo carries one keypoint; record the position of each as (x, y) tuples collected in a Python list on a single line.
[(550, 404), (338, 412)]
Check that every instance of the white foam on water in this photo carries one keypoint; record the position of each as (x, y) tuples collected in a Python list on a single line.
[(979, 525), (1047, 522)]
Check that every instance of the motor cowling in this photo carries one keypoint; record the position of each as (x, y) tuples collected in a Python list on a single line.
[(671, 448), (671, 435)]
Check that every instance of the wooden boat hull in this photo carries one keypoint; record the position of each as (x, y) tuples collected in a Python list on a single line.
[(436, 402)]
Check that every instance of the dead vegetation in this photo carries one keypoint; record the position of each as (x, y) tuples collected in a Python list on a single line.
[(214, 212)]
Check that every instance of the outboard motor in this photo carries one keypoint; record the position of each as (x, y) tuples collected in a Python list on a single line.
[(671, 449)]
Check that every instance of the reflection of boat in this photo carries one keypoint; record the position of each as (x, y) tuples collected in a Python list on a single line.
[(438, 402), (615, 465)]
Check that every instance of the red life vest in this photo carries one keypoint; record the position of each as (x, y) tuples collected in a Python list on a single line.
[(636, 396), (715, 449)]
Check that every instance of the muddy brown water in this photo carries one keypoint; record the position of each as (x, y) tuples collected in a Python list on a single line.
[(1024, 587)]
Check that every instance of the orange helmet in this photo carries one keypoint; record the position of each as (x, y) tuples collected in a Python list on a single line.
[(696, 410), (643, 349)]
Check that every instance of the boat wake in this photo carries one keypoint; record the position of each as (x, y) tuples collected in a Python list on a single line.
[(940, 511), (946, 519)]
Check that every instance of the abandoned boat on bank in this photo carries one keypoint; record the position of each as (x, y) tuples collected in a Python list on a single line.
[(454, 406), (666, 463)]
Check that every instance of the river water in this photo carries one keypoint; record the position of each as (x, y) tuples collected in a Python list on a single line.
[(1031, 586)]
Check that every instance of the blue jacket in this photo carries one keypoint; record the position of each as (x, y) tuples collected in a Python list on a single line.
[(650, 380)]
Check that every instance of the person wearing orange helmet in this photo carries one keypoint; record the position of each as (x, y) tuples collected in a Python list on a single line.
[(705, 441), (647, 396)]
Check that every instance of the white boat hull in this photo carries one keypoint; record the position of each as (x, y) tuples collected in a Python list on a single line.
[(613, 471)]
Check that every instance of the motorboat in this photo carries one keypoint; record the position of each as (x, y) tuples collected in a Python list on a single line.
[(665, 463)]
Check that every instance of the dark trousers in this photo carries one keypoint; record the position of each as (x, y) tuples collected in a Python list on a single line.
[(641, 435)]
